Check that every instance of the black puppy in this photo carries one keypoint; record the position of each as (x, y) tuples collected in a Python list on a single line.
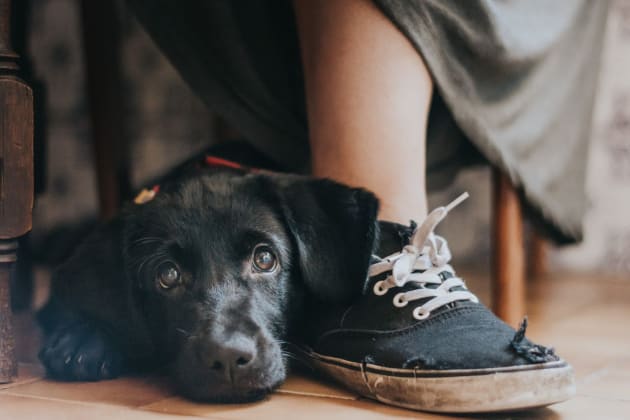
[(209, 277)]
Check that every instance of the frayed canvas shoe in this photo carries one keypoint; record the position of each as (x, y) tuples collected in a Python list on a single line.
[(418, 338)]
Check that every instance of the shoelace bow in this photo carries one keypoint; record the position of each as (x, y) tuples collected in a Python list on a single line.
[(421, 263)]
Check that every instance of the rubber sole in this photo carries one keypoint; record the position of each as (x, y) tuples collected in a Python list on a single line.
[(453, 391)]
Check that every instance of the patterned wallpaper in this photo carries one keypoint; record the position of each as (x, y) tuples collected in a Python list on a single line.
[(165, 120), (168, 123)]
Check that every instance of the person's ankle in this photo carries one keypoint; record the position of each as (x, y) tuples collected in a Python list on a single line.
[(402, 214)]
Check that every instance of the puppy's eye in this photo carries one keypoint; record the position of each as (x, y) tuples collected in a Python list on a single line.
[(264, 259), (168, 276)]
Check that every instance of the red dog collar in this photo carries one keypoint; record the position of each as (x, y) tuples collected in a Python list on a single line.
[(147, 194)]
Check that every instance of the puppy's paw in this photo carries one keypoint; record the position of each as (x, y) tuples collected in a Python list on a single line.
[(81, 352)]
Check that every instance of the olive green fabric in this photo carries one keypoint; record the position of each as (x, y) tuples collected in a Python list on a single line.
[(515, 83), (519, 78)]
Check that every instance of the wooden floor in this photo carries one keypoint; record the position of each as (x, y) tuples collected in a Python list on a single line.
[(583, 317)]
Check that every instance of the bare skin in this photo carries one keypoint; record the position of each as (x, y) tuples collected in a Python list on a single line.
[(368, 94)]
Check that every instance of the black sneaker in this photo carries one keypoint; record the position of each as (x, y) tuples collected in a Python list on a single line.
[(417, 338)]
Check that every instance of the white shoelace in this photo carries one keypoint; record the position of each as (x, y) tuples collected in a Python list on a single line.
[(429, 253)]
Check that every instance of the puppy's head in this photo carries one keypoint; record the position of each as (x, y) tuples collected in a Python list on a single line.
[(220, 264)]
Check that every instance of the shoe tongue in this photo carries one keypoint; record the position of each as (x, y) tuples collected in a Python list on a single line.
[(392, 238)]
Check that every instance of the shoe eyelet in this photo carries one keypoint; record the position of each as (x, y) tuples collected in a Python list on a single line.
[(419, 313), (399, 301), (378, 288)]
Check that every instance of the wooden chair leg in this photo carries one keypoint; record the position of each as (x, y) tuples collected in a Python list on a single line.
[(101, 46), (16, 179), (537, 257), (508, 281), (8, 362)]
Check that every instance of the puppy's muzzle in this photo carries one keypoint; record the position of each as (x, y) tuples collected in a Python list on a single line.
[(224, 365), (232, 355)]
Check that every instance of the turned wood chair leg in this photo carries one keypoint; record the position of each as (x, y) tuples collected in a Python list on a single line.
[(508, 281), (8, 362), (16, 179)]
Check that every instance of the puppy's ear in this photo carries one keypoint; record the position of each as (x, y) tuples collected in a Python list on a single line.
[(334, 228)]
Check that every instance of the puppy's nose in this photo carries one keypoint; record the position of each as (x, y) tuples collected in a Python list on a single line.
[(232, 355)]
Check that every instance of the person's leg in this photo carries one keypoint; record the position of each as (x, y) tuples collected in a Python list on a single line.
[(368, 94)]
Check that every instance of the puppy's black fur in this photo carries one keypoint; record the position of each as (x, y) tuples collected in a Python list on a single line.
[(221, 321)]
